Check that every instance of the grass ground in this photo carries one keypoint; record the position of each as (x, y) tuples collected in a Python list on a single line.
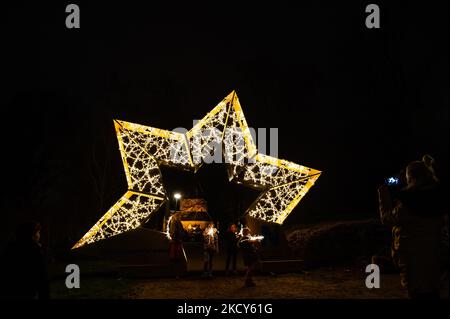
[(100, 279), (320, 283)]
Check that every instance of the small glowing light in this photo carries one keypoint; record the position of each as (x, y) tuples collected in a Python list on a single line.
[(393, 180), (177, 196)]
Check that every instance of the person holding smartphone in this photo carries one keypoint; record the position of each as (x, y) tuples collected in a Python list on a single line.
[(415, 215)]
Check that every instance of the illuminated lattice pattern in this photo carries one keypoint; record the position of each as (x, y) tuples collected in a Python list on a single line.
[(167, 147), (207, 133), (127, 214), (143, 149), (265, 171), (276, 203), (238, 142), (141, 169)]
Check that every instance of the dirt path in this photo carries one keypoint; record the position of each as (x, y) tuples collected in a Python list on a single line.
[(324, 283), (321, 283)]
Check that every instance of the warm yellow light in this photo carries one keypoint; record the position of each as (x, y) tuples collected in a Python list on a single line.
[(144, 149)]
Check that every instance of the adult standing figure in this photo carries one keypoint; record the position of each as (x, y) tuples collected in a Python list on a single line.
[(24, 267), (176, 234), (247, 244), (415, 215), (231, 246)]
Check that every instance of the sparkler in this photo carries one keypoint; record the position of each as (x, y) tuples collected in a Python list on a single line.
[(168, 228), (256, 238)]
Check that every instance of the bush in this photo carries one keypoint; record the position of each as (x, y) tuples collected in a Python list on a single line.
[(340, 242)]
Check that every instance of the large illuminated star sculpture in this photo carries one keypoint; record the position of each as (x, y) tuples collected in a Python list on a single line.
[(144, 149)]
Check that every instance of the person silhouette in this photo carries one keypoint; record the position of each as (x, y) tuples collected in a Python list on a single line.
[(24, 265), (415, 215)]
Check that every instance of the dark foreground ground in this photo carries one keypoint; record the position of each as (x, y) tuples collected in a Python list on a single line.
[(324, 246), (317, 284)]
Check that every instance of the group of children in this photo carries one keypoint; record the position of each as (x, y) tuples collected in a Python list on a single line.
[(234, 242)]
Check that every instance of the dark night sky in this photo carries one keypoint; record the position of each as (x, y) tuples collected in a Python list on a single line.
[(357, 104)]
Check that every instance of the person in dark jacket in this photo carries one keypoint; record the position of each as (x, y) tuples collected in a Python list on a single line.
[(231, 246), (415, 216), (24, 265), (249, 254)]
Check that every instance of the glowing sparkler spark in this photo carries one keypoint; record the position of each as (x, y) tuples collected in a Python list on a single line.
[(168, 227), (256, 238)]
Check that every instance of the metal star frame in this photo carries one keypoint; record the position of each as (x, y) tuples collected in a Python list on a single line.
[(144, 149)]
